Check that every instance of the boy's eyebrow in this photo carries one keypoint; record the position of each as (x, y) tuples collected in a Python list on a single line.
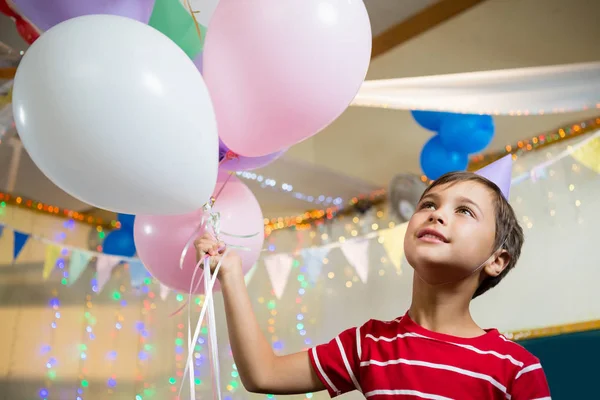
[(433, 196)]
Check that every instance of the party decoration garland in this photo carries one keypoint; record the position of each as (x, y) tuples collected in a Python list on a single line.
[(309, 218)]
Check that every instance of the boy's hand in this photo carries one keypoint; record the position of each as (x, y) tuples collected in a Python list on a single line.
[(207, 245)]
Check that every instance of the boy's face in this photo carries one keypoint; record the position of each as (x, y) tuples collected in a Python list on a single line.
[(452, 232)]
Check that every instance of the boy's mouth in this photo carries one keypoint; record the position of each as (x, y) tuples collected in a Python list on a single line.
[(431, 236)]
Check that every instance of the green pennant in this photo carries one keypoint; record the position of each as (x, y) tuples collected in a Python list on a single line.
[(175, 22)]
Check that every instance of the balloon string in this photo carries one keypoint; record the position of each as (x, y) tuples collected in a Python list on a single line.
[(212, 335), (196, 24), (207, 299)]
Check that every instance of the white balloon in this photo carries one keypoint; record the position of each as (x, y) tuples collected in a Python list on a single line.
[(115, 114)]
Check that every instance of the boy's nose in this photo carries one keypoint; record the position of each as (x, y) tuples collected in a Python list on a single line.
[(437, 217)]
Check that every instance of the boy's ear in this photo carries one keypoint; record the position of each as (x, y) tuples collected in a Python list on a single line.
[(498, 263)]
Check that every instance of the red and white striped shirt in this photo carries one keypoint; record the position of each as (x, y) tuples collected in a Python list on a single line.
[(404, 360)]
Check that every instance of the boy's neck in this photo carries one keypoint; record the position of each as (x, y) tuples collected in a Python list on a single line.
[(443, 308)]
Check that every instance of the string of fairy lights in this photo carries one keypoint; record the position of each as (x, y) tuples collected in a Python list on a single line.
[(335, 205)]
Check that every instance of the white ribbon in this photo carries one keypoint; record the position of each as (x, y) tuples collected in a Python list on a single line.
[(214, 220)]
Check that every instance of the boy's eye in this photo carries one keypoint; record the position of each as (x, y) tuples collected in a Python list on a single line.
[(466, 211), (427, 204)]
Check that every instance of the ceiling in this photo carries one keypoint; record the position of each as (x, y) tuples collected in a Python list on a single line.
[(365, 147)]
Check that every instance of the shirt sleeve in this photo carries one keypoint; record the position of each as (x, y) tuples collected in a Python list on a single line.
[(337, 363), (530, 383)]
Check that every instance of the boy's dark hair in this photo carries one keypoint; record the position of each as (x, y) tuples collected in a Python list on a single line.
[(509, 233)]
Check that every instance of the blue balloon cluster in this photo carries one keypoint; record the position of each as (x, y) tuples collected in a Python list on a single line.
[(458, 135), (120, 242)]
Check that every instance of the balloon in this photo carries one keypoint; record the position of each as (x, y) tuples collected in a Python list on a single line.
[(436, 160), (241, 163), (27, 31), (177, 24), (121, 120), (119, 243), (45, 14), (161, 239), (126, 221), (204, 9), (198, 60), (431, 120), (280, 71), (467, 133)]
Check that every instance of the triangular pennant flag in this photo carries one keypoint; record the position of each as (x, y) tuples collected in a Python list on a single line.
[(137, 272), (249, 275), (52, 254), (1, 230), (19, 243), (279, 267), (313, 261), (164, 292), (393, 242), (104, 266), (357, 254), (77, 264)]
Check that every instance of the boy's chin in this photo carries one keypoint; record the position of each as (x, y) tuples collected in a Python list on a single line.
[(437, 272)]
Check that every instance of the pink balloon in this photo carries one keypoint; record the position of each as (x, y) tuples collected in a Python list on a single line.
[(280, 71), (161, 239)]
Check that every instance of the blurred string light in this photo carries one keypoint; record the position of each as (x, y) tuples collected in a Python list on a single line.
[(87, 337), (523, 146), (47, 352), (270, 183), (145, 348), (119, 322), (54, 304), (302, 316), (309, 218), (537, 142), (21, 202)]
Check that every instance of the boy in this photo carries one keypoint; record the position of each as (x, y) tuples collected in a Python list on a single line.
[(462, 241)]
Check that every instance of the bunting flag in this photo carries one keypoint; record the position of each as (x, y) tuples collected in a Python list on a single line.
[(77, 264), (1, 230), (19, 243), (137, 272), (393, 242), (313, 261), (279, 267), (104, 266), (164, 292), (52, 255), (249, 275), (357, 253)]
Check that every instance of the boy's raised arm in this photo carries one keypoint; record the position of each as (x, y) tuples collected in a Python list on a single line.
[(260, 369)]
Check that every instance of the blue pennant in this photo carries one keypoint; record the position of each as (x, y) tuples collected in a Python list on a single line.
[(20, 240)]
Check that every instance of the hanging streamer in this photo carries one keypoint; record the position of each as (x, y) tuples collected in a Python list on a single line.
[(521, 91)]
